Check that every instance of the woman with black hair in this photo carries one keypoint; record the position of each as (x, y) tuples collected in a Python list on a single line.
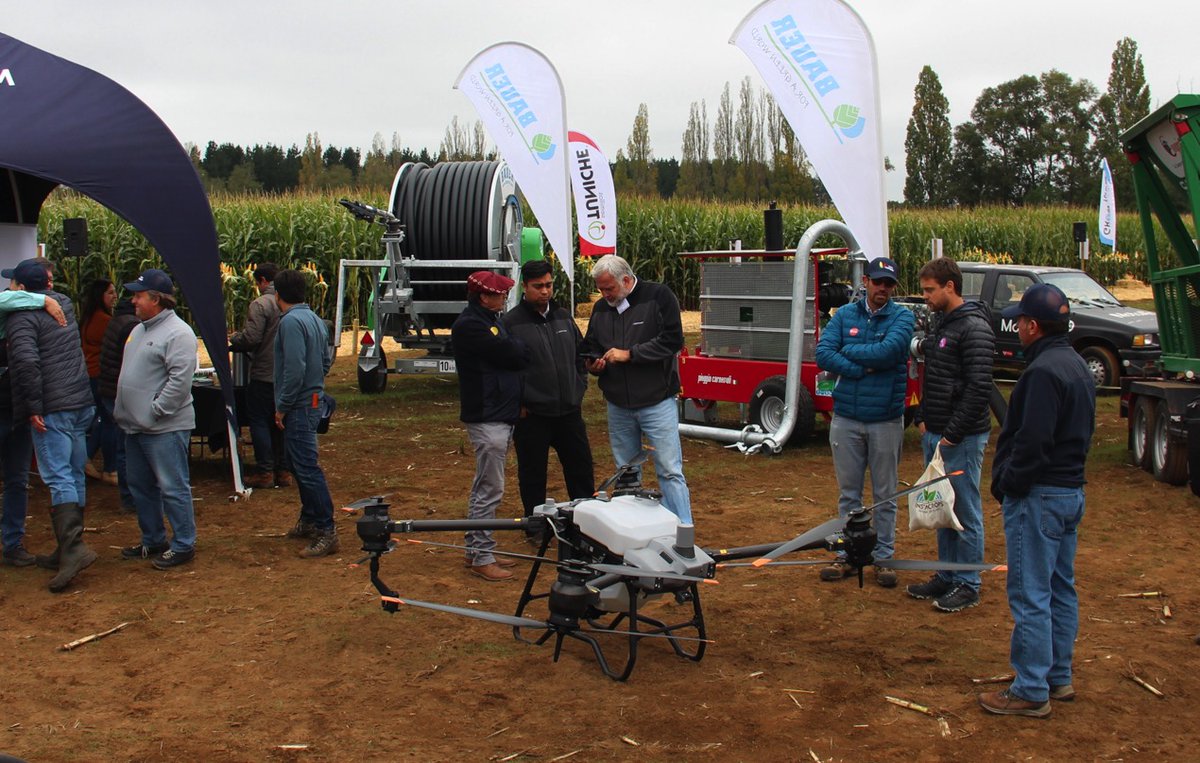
[(98, 302)]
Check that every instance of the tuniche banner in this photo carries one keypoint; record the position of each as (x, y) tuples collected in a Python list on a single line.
[(818, 60), (519, 97), (595, 197), (1108, 207)]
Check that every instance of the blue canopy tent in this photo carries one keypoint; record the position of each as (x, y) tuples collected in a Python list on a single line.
[(64, 124)]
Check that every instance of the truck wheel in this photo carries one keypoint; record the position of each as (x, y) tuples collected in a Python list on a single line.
[(1102, 364), (1141, 425), (374, 381), (1168, 454), (767, 408)]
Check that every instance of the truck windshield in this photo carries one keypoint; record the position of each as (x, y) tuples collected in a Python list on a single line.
[(1079, 287)]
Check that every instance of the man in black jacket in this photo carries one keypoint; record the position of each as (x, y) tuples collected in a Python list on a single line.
[(636, 331), (1038, 476), (954, 419), (552, 392), (489, 360), (51, 390), (257, 339), (112, 352)]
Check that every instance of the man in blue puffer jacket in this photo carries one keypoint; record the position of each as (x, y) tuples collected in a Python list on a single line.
[(865, 345)]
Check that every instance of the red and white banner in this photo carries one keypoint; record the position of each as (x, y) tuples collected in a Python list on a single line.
[(595, 197), (818, 60), (520, 100)]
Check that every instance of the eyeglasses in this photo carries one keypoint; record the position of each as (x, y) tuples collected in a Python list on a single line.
[(887, 282)]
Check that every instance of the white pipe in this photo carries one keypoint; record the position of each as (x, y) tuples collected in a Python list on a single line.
[(747, 439)]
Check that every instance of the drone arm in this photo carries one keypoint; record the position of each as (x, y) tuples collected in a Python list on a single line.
[(742, 552), (450, 525), (382, 587)]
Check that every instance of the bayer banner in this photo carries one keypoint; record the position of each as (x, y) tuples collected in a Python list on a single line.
[(595, 197), (520, 100), (1108, 207), (818, 60)]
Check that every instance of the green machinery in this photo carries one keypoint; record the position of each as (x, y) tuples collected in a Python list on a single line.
[(1164, 414)]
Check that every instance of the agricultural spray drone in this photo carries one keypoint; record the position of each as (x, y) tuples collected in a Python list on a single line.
[(617, 554)]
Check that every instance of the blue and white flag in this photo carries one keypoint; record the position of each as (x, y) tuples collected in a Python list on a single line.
[(1108, 208)]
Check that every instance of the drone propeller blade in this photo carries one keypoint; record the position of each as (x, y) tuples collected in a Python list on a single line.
[(787, 563), (913, 489), (625, 570), (362, 503), (909, 564), (800, 542), (497, 552), (491, 617), (636, 462)]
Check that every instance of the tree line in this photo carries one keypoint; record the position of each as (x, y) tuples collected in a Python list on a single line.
[(1031, 140)]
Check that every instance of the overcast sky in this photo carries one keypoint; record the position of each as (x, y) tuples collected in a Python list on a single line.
[(266, 72)]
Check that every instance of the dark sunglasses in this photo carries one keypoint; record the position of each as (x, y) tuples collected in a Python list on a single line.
[(883, 282)]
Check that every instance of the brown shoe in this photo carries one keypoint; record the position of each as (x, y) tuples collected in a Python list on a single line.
[(1063, 693), (885, 577), (323, 544), (500, 562), (837, 571), (1006, 703), (259, 480), (492, 573), (283, 479)]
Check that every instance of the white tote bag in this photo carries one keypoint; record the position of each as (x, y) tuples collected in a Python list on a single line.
[(932, 507)]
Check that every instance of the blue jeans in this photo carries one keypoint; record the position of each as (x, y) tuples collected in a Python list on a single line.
[(157, 468), (300, 442), (16, 453), (264, 435), (858, 446), (108, 404), (61, 453), (965, 546), (102, 434), (490, 440), (660, 424), (1041, 533)]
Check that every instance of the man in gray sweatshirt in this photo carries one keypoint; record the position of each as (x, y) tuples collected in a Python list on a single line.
[(154, 409)]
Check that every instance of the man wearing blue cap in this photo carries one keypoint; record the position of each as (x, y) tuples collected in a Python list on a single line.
[(866, 345), (50, 389), (1038, 476), (154, 409)]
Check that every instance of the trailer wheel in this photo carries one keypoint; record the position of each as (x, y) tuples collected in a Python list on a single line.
[(1140, 426), (1168, 454), (1102, 364), (767, 408), (374, 381)]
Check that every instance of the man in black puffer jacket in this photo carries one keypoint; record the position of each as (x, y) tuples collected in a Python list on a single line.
[(112, 352), (489, 360), (51, 390), (552, 392), (954, 418)]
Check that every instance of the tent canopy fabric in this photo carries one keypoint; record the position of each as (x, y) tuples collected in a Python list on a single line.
[(64, 124)]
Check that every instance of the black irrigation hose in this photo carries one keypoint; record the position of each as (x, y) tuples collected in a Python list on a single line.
[(446, 211)]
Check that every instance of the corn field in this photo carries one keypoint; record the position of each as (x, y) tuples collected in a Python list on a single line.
[(311, 233)]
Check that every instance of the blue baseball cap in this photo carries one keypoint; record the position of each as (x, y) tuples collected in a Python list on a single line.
[(33, 273), (1042, 302), (882, 267), (152, 280)]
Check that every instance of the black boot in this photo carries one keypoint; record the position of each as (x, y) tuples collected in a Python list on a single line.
[(74, 556)]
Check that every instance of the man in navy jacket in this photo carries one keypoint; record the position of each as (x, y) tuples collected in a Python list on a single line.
[(1038, 476), (489, 360), (865, 345)]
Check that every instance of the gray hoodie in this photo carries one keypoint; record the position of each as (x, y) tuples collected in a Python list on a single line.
[(154, 391)]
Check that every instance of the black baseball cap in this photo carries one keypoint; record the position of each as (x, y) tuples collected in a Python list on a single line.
[(882, 267), (33, 273), (1042, 302), (152, 280)]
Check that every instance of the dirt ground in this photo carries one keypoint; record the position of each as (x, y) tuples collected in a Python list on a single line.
[(250, 648)]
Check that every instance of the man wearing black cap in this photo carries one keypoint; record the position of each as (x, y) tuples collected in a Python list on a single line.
[(154, 409), (50, 388), (865, 345), (1038, 476), (489, 360)]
